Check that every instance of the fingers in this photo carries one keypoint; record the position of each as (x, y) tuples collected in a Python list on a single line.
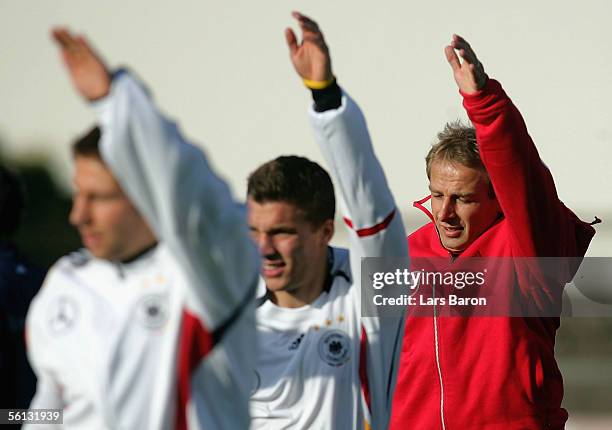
[(465, 50), (303, 20), (469, 73), (310, 29), (451, 57), (63, 38), (69, 46), (73, 47), (86, 69), (459, 39), (85, 46), (291, 41), (307, 24), (459, 42), (310, 56)]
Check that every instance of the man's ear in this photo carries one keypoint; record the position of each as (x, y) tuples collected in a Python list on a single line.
[(327, 230)]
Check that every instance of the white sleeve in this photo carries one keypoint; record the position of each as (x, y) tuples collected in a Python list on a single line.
[(376, 231), (189, 208), (48, 393)]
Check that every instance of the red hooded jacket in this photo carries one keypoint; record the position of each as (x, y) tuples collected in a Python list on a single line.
[(475, 373)]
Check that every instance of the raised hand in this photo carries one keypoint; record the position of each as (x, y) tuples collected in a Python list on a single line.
[(311, 57), (469, 73), (87, 70)]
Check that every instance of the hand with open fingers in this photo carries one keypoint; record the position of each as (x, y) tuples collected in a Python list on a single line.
[(310, 57), (469, 73), (87, 70)]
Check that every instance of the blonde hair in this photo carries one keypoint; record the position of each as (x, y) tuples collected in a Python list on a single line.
[(457, 144)]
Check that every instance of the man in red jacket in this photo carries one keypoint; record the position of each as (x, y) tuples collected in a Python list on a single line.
[(491, 196)]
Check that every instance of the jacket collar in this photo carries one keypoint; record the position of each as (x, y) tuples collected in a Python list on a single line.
[(419, 205)]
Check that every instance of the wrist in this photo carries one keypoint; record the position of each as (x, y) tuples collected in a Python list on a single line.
[(319, 85), (327, 98)]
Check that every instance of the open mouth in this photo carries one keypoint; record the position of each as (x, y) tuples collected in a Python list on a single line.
[(272, 269), (451, 232)]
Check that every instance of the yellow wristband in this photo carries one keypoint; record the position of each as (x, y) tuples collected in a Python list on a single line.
[(319, 85)]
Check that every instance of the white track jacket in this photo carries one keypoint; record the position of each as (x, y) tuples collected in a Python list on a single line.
[(166, 341)]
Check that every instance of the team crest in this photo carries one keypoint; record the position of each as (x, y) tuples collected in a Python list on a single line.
[(153, 311), (335, 348), (63, 315)]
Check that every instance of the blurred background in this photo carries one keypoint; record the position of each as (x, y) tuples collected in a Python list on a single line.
[(222, 70)]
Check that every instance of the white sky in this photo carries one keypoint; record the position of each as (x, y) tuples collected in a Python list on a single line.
[(221, 69)]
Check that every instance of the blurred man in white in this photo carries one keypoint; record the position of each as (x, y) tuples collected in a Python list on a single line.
[(150, 327), (320, 365)]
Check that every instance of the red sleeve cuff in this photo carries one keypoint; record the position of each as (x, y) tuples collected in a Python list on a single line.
[(492, 87)]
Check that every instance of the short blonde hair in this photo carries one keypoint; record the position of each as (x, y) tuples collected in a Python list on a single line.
[(457, 144)]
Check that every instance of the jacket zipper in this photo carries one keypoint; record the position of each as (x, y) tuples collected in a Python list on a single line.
[(435, 321)]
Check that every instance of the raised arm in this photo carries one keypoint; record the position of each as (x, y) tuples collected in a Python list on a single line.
[(369, 209), (342, 134), (170, 182), (523, 185)]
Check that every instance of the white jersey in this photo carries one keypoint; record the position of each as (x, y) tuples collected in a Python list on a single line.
[(164, 341), (322, 366)]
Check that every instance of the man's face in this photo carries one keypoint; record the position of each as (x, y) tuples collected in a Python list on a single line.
[(461, 204), (109, 225), (293, 250)]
